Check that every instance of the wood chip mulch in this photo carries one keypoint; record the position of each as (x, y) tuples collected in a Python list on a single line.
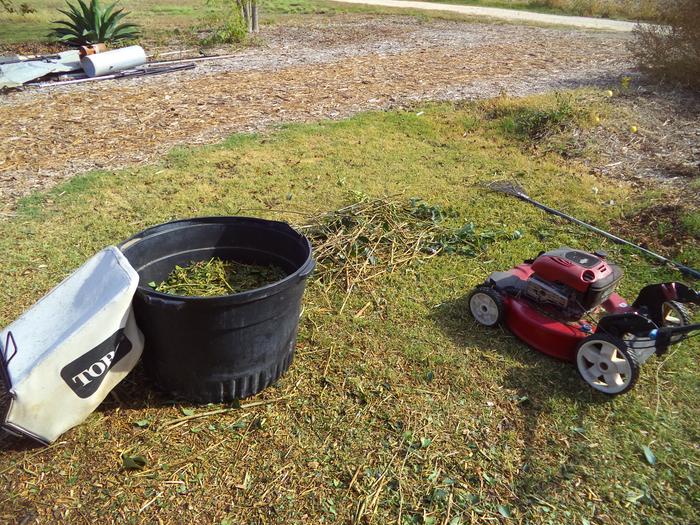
[(304, 73)]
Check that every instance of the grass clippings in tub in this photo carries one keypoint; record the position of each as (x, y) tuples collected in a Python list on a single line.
[(218, 277)]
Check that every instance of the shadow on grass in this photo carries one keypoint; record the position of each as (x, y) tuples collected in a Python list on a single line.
[(137, 391), (540, 378), (544, 388)]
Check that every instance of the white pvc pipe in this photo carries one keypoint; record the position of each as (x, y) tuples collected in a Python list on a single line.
[(113, 61)]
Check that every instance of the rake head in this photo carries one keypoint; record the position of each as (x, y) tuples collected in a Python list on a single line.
[(507, 186)]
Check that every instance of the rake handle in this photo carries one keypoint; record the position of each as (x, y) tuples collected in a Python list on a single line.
[(682, 268)]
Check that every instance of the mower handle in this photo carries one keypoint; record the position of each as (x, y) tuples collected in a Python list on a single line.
[(663, 336), (673, 330)]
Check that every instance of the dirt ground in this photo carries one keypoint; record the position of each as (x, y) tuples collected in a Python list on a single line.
[(663, 156), (666, 148), (321, 68)]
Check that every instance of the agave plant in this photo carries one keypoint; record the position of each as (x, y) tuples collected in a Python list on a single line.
[(92, 24)]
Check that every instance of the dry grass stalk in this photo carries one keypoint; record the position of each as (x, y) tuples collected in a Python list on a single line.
[(173, 423)]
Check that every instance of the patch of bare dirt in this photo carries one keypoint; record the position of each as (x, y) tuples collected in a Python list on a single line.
[(658, 227), (666, 148), (663, 155), (326, 68)]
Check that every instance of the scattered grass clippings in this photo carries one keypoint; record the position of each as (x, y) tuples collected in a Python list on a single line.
[(373, 236), (399, 409), (218, 277)]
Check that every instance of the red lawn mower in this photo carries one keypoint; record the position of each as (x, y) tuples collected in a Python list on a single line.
[(552, 303)]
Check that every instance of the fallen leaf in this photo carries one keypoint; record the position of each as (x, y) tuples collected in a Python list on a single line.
[(133, 462), (504, 511), (649, 455)]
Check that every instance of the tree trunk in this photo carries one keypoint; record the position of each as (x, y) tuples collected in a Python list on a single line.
[(254, 17), (249, 18), (244, 11)]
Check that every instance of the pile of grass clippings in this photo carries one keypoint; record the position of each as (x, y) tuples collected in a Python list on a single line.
[(371, 237), (217, 277)]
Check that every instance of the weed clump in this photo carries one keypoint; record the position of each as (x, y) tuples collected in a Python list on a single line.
[(538, 123), (23, 9), (217, 277)]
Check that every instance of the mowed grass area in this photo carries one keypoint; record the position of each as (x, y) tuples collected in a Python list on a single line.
[(400, 409), (187, 22), (190, 22), (157, 14)]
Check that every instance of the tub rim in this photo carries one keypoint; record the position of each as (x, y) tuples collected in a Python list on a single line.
[(151, 295)]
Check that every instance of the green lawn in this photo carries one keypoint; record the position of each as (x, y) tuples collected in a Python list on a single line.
[(157, 15), (164, 20), (399, 409)]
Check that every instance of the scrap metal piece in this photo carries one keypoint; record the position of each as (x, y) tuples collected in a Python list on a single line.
[(19, 72), (92, 49), (129, 73), (110, 62)]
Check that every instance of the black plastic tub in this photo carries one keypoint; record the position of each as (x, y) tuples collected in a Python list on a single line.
[(215, 349)]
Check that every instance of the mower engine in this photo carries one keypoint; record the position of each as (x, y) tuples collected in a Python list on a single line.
[(549, 303), (571, 282)]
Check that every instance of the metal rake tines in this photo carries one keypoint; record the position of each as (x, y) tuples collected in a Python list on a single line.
[(507, 186)]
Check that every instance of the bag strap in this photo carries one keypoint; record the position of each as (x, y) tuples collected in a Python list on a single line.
[(5, 358)]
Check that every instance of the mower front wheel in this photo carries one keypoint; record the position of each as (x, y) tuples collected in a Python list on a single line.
[(486, 306), (607, 364)]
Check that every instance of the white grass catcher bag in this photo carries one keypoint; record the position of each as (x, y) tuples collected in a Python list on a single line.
[(62, 357)]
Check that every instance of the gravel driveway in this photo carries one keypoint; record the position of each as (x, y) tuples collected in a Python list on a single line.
[(513, 15)]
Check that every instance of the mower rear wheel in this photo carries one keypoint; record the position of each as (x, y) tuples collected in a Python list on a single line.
[(675, 314), (607, 364), (486, 305)]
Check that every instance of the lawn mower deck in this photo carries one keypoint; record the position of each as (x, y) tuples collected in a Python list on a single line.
[(554, 304)]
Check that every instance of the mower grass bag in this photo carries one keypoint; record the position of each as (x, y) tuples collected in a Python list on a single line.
[(62, 357)]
